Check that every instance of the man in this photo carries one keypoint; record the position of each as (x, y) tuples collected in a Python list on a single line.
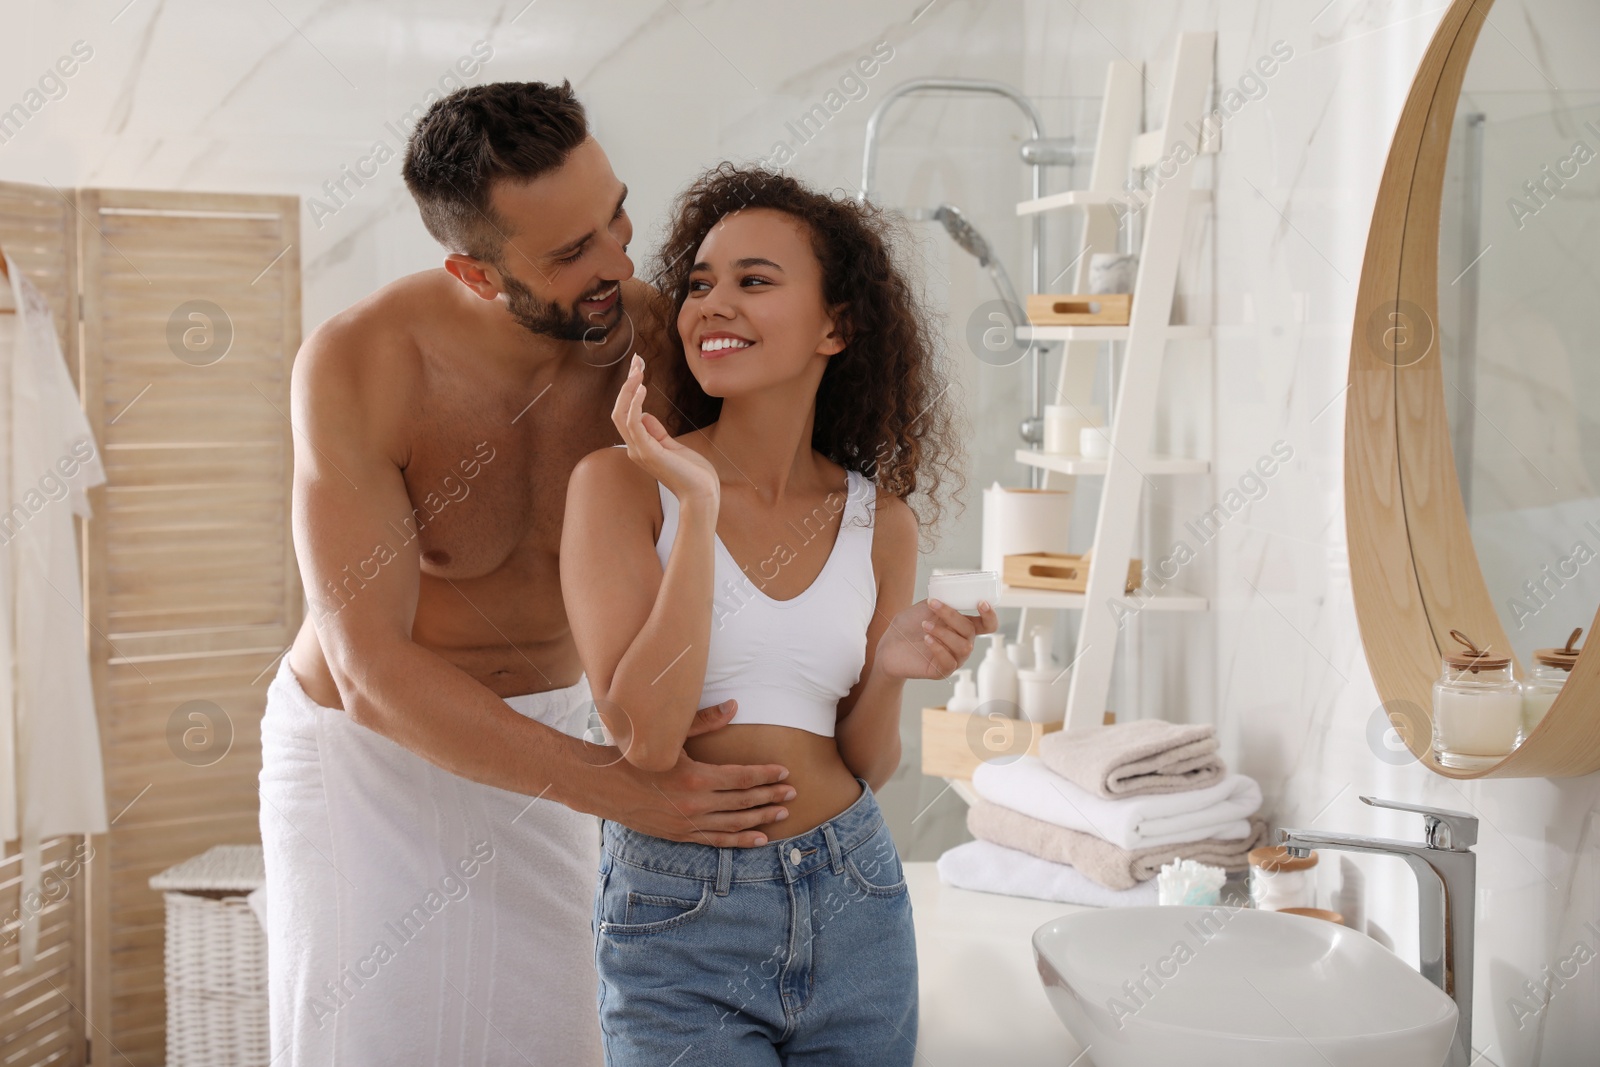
[(427, 797)]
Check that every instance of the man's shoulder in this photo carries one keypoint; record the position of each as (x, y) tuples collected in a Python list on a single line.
[(395, 312), (377, 335), (361, 371)]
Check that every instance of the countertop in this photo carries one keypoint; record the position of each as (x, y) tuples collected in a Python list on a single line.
[(981, 999)]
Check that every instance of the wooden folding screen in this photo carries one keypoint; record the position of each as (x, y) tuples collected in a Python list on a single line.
[(190, 321)]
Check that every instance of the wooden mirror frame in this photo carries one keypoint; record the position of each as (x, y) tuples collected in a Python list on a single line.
[(1413, 569)]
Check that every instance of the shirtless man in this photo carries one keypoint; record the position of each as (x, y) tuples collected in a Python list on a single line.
[(427, 795)]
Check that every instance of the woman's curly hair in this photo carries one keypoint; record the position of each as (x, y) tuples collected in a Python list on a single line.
[(883, 406)]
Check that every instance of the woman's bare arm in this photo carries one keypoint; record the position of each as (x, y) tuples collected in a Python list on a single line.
[(642, 631), (868, 732), (904, 641)]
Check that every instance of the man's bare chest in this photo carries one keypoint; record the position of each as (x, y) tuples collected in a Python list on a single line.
[(487, 482)]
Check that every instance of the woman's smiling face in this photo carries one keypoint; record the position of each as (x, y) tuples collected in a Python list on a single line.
[(754, 315)]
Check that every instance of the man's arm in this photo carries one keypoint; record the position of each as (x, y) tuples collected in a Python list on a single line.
[(349, 410)]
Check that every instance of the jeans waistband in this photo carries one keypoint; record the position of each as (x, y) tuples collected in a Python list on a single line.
[(789, 858)]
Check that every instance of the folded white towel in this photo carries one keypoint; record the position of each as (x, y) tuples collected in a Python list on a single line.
[(992, 868), (1146, 821)]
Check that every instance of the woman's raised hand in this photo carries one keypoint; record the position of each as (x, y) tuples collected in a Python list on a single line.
[(681, 469), (930, 639)]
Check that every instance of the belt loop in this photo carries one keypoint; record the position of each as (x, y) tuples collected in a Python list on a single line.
[(835, 853), (724, 870)]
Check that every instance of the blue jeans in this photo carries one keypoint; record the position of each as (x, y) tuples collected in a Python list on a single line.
[(800, 951)]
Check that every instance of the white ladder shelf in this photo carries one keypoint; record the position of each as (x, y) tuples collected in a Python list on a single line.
[(1119, 149)]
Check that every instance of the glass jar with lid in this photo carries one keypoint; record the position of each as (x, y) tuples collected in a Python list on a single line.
[(1551, 669), (1477, 708)]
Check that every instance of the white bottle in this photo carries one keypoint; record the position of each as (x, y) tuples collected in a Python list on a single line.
[(997, 680), (1043, 658), (1042, 690), (1014, 652), (964, 701)]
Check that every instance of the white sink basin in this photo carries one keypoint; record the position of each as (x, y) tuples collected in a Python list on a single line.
[(1236, 987)]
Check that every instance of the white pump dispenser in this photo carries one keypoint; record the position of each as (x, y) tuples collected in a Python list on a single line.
[(997, 680), (964, 700)]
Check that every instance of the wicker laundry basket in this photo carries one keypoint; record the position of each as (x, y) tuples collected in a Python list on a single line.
[(216, 960)]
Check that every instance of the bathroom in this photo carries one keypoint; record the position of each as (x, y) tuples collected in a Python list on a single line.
[(1302, 561)]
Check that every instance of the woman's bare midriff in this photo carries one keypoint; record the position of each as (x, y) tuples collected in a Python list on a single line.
[(823, 785)]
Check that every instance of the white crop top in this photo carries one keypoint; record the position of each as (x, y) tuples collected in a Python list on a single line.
[(790, 662)]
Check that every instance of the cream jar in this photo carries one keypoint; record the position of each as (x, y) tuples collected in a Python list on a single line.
[(963, 589), (1477, 708), (1094, 442), (1279, 881), (1551, 669)]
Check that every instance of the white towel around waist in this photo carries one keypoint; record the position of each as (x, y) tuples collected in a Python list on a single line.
[(1027, 785), (414, 916)]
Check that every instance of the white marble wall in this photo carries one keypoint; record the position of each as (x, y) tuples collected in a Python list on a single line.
[(1284, 676), (279, 97), (294, 97)]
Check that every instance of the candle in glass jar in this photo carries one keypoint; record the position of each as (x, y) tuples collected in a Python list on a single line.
[(1477, 708), (1551, 668), (1478, 723)]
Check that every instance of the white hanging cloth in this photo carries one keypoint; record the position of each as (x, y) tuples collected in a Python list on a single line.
[(52, 780)]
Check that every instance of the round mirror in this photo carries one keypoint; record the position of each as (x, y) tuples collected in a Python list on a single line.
[(1472, 427), (1519, 320)]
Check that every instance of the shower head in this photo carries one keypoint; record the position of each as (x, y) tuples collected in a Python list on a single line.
[(967, 236), (964, 233)]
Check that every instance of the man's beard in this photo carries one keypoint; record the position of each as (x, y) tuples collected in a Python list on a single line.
[(550, 319)]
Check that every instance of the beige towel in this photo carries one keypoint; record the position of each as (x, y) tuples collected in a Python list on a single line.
[(1097, 858), (1130, 758)]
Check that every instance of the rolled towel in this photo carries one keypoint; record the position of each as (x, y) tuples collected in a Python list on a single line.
[(1096, 858), (1135, 758), (1027, 785), (991, 868)]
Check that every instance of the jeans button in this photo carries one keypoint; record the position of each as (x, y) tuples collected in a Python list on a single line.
[(794, 856)]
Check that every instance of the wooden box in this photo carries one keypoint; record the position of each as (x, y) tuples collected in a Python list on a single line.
[(954, 744), (1079, 309), (1059, 571)]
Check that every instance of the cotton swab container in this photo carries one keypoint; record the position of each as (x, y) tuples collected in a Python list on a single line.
[(1190, 882)]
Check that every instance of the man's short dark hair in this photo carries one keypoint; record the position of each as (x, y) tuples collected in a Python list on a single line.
[(481, 134)]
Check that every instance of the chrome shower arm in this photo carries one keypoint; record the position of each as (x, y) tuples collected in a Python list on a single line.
[(869, 156), (869, 159)]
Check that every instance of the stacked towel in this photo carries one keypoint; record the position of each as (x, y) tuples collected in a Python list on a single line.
[(991, 868), (1131, 759), (1097, 858), (1221, 810), (1109, 805)]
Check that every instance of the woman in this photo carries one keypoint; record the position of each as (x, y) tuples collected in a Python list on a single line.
[(766, 555)]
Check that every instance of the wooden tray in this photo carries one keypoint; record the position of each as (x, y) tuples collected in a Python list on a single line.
[(1079, 309), (954, 744), (1059, 571)]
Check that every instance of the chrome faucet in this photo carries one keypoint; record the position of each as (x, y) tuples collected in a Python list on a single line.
[(1447, 878)]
